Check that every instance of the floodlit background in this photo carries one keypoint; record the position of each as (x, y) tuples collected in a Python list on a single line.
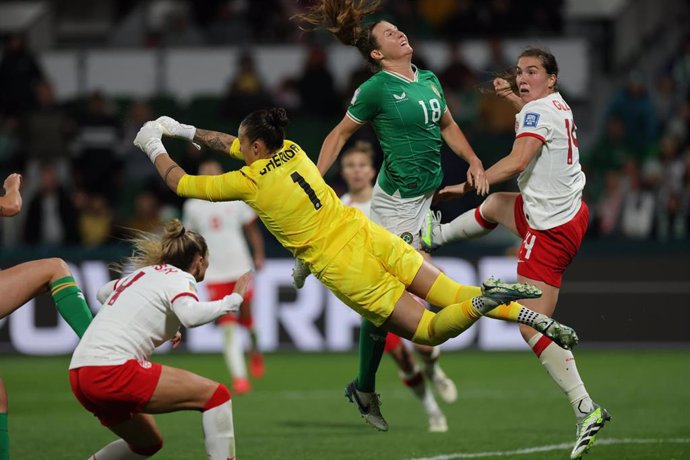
[(78, 78)]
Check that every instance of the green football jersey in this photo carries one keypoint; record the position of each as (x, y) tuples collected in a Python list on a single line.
[(406, 116)]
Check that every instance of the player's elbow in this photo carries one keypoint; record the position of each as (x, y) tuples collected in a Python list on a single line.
[(520, 166), (11, 209)]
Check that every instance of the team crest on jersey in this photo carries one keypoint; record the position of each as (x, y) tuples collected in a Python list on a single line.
[(192, 287), (407, 237), (435, 90), (354, 97), (531, 120)]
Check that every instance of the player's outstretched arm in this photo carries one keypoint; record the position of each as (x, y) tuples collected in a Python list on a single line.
[(214, 140), (456, 140), (334, 142), (148, 139)]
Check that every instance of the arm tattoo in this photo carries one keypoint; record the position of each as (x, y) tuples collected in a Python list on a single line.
[(219, 142)]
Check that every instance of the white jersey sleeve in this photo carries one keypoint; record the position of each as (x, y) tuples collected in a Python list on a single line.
[(193, 313), (552, 184), (136, 317)]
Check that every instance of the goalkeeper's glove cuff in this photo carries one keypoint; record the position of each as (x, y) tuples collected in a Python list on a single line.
[(153, 148)]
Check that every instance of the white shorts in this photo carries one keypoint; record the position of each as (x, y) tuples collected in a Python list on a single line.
[(401, 216)]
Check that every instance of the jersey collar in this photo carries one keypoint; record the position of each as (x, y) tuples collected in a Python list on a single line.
[(403, 78)]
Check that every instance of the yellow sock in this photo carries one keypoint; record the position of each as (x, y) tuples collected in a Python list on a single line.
[(508, 312), (436, 328), (446, 292)]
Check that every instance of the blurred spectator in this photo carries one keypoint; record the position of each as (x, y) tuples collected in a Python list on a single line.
[(95, 220), (612, 150), (147, 213), (497, 62), (679, 124), (638, 211), (316, 86), (405, 15), (608, 209), (503, 16), (246, 92), (46, 132), (666, 100), (634, 107), (228, 23), (137, 167), (670, 190), (460, 85), (267, 21), (9, 145), (287, 95), (179, 30), (435, 12), (19, 73), (51, 215), (95, 165), (496, 114), (680, 68), (462, 22)]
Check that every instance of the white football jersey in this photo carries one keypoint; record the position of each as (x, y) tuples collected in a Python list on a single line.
[(552, 183), (135, 318), (221, 224), (364, 207)]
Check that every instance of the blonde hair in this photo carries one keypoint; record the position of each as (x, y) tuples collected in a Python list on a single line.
[(177, 246), (363, 147)]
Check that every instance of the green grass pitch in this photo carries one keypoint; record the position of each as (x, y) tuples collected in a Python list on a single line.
[(297, 411)]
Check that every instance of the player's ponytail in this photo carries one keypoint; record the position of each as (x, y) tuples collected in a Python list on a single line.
[(346, 20), (177, 246), (268, 125)]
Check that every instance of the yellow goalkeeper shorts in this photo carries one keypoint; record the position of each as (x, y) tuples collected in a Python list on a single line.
[(371, 272)]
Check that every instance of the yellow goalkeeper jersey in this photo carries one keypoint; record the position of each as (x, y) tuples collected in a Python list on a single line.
[(291, 198)]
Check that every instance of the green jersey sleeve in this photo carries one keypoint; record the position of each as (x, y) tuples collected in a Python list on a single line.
[(365, 103)]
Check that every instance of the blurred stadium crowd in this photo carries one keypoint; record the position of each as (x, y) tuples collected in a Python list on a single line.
[(84, 179)]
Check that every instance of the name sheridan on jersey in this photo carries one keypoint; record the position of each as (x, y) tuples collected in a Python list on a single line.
[(280, 158)]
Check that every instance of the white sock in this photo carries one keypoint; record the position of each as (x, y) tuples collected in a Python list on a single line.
[(421, 390), (219, 433), (560, 364), (465, 226), (117, 450), (233, 352)]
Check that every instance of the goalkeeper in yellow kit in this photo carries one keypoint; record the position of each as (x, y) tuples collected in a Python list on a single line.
[(364, 265)]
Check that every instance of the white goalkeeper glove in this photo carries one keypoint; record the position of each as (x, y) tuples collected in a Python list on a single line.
[(174, 128), (149, 140)]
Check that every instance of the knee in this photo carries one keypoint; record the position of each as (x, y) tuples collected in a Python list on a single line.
[(58, 267), (220, 395)]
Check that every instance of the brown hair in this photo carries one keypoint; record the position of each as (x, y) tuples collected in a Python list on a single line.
[(346, 20), (177, 246), (363, 147), (547, 60)]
